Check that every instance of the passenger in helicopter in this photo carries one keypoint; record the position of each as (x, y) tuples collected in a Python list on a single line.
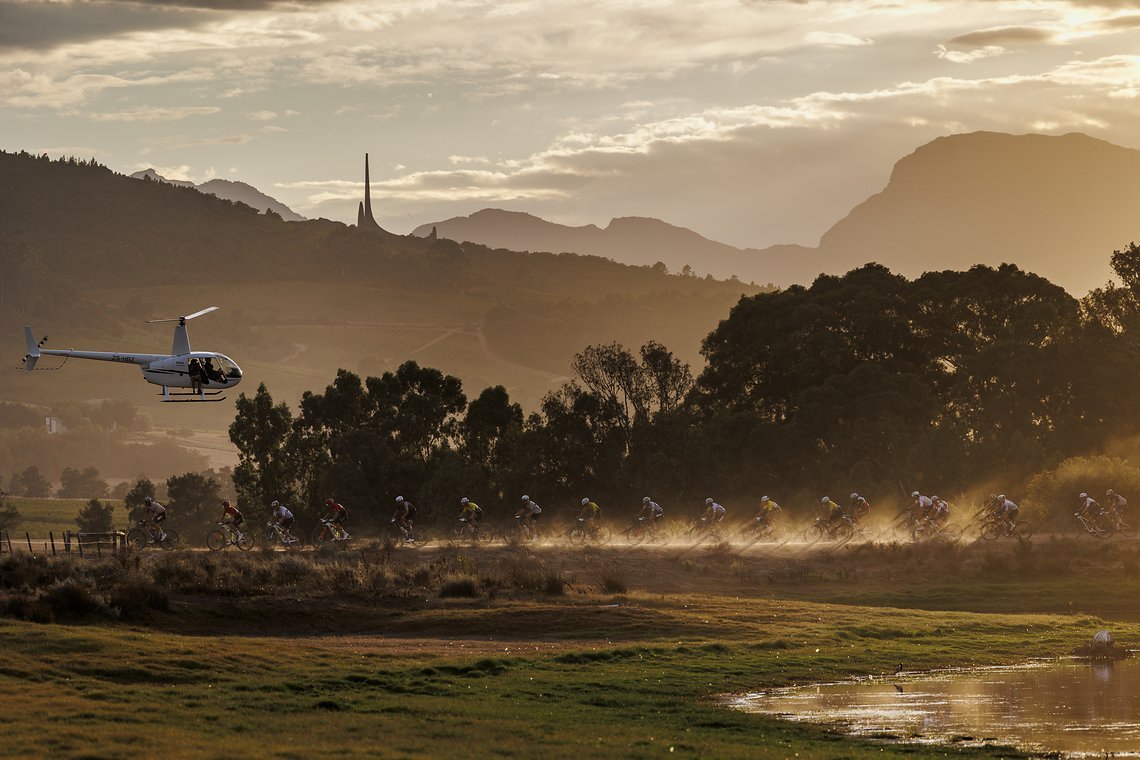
[(197, 374)]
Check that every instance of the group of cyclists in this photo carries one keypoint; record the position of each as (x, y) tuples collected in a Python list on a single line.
[(929, 512), (1102, 519)]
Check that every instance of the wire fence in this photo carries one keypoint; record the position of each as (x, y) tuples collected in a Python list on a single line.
[(69, 543)]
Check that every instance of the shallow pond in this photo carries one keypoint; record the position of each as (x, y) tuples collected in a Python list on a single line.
[(1061, 706)]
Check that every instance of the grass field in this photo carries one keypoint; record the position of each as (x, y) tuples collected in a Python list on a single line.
[(457, 652), (39, 516)]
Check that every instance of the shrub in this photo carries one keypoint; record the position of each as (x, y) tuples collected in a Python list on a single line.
[(135, 599), (96, 517), (459, 587), (72, 600), (1052, 495)]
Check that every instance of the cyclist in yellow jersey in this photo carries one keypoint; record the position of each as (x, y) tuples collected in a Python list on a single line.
[(471, 513), (589, 511), (766, 511)]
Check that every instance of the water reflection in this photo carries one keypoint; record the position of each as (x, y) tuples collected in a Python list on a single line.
[(1067, 706)]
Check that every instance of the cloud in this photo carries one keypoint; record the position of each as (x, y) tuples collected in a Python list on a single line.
[(1005, 35), (968, 56), (23, 89), (154, 114), (179, 142), (836, 39)]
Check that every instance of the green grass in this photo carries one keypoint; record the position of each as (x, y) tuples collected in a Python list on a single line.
[(95, 689), (39, 516)]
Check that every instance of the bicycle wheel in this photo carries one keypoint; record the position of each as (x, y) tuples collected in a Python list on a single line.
[(1023, 530), (844, 531), (245, 541), (171, 541), (635, 534), (321, 534), (137, 539), (990, 530), (815, 532), (602, 534), (216, 540), (577, 535)]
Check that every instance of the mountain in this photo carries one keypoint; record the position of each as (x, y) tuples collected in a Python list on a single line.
[(88, 256), (631, 240), (1054, 205), (239, 192)]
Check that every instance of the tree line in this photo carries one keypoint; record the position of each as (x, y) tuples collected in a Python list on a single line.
[(866, 381)]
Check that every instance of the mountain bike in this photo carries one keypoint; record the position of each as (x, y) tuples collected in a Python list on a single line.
[(329, 531), (757, 530), (523, 532), (274, 535), (927, 529), (468, 531), (142, 536), (398, 535), (226, 535), (843, 529), (703, 528), (642, 529), (994, 528), (584, 532)]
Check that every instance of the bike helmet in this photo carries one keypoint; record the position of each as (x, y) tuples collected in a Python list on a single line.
[(226, 503), (1001, 497), (585, 501), (914, 494), (934, 498), (1109, 492), (275, 503), (464, 501), (825, 500), (645, 500), (709, 500), (1083, 495), (854, 496), (399, 499), (525, 497), (764, 499)]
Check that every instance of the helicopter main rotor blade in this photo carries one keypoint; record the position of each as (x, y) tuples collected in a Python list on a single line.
[(206, 310)]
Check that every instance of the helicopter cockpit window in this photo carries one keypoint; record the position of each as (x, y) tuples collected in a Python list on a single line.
[(228, 367)]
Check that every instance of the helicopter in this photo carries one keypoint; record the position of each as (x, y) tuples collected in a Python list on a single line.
[(215, 372)]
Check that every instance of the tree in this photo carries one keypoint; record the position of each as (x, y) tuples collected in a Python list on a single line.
[(135, 498), (96, 517), (78, 485), (9, 515), (266, 467), (194, 498), (31, 483)]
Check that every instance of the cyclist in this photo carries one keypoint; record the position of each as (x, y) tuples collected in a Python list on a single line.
[(284, 519), (1090, 509), (920, 505), (155, 514), (766, 512), (714, 513), (336, 514), (528, 514), (1117, 505), (939, 511), (651, 511), (232, 516), (856, 508), (471, 514), (830, 511), (405, 516), (1005, 512), (590, 512)]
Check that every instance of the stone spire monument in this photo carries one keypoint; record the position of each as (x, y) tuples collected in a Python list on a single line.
[(364, 218)]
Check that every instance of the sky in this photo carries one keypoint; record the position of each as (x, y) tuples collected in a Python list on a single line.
[(752, 122)]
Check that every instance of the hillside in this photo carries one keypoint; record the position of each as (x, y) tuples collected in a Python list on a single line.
[(91, 255), (630, 240), (238, 192), (1057, 206)]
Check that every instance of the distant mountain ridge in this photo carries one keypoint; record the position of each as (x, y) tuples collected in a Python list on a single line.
[(239, 192), (1054, 205)]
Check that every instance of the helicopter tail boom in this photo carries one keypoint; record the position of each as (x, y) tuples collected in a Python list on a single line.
[(33, 354)]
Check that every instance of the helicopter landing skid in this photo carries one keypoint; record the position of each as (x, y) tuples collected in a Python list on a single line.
[(194, 399)]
